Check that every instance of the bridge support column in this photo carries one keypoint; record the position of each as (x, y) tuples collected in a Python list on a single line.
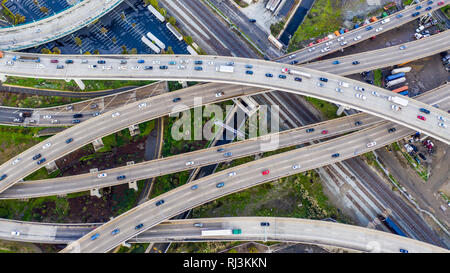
[(96, 192), (183, 84), (2, 78), (133, 185), (51, 167), (134, 130), (80, 83), (341, 109), (98, 144), (125, 244)]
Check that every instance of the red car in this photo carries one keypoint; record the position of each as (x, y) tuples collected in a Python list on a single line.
[(324, 132), (440, 3), (266, 172), (54, 61), (421, 117)]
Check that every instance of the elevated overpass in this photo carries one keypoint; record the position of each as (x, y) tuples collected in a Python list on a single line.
[(172, 164), (280, 229), (54, 27)]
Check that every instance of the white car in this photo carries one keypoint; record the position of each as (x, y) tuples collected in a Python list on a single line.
[(46, 145), (54, 121), (156, 62), (219, 94), (100, 175), (339, 90), (341, 38), (395, 107), (328, 43), (296, 166), (134, 67), (15, 233), (357, 38), (116, 114), (181, 67), (210, 62), (9, 63), (47, 117), (343, 43), (442, 125), (84, 61), (360, 96), (141, 105), (106, 67), (358, 88), (15, 161), (371, 144), (385, 21), (40, 66), (232, 173), (123, 67), (189, 163), (92, 66), (375, 93), (311, 49), (292, 56), (378, 29), (441, 118)]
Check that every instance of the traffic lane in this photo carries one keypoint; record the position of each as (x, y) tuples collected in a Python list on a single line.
[(82, 182), (313, 156)]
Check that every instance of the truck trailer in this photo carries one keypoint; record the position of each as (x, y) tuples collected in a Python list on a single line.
[(225, 68), (398, 100)]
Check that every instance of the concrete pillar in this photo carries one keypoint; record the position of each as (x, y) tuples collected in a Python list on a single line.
[(98, 144), (51, 166), (125, 244), (80, 83), (96, 192), (134, 130), (340, 110), (183, 84), (2, 78), (133, 185)]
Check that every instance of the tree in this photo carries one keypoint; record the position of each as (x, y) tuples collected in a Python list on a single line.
[(172, 20), (87, 53), (96, 52), (44, 10), (188, 40), (103, 30), (46, 51), (133, 51), (78, 41), (56, 50), (169, 50), (124, 49)]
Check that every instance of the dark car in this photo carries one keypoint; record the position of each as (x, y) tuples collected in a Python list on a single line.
[(123, 61), (369, 81), (163, 67), (194, 187), (294, 62), (77, 115), (220, 150), (249, 72), (428, 8), (415, 14), (140, 61), (310, 130), (298, 79), (323, 79), (355, 62), (252, 20), (249, 66), (422, 156), (160, 202), (430, 2), (114, 232), (358, 123), (335, 155), (198, 62), (399, 16), (3, 177), (418, 7), (265, 224), (198, 68), (59, 66), (423, 110), (40, 161), (220, 185), (369, 28), (54, 61), (139, 226), (227, 154), (391, 130), (101, 62), (69, 140), (76, 121), (282, 76), (176, 99), (148, 67), (36, 156), (269, 75), (403, 250), (336, 62), (121, 177), (95, 236)]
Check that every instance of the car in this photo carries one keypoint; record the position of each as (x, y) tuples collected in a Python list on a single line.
[(418, 7), (395, 107), (139, 226), (114, 232), (231, 173), (415, 14), (355, 62), (40, 161), (282, 76), (311, 49), (100, 175), (402, 47), (360, 96), (15, 233), (441, 3), (96, 114), (324, 132), (295, 167), (116, 114), (323, 79), (227, 154), (108, 67), (294, 62), (48, 144), (403, 250), (135, 67), (440, 124), (77, 115), (441, 118), (375, 93), (291, 56), (47, 117), (371, 144), (163, 67), (18, 120), (59, 66), (385, 21), (92, 66), (194, 187), (249, 72), (176, 99), (219, 94), (141, 105), (399, 16), (421, 117), (36, 156), (343, 43), (3, 177), (95, 236), (156, 61), (160, 202), (339, 90), (69, 61), (265, 172), (298, 79), (423, 110), (53, 61), (269, 75), (198, 225), (101, 62), (320, 84), (422, 156), (220, 185), (391, 130), (148, 67), (123, 61), (265, 224), (310, 130), (229, 63), (198, 68), (336, 62), (9, 63), (220, 150), (357, 123), (17, 160), (358, 88), (378, 29), (189, 163), (428, 8), (369, 27), (335, 155), (198, 62), (140, 61), (121, 177), (430, 2), (328, 43), (249, 66), (69, 140), (357, 38)]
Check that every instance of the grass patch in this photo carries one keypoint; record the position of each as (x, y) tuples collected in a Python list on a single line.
[(42, 173), (276, 28), (16, 139), (327, 108), (377, 76), (146, 127), (27, 101)]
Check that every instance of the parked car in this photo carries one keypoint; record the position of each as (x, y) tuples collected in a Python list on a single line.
[(391, 130)]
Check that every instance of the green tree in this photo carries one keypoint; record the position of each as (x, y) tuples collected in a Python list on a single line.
[(78, 41), (44, 10), (133, 51), (169, 50), (46, 51), (56, 50), (96, 52), (172, 20), (188, 40), (124, 49)]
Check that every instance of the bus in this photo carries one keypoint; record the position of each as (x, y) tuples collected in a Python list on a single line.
[(398, 90)]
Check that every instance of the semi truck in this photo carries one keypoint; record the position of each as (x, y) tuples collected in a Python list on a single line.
[(396, 81), (398, 100), (395, 76), (225, 68), (295, 72), (400, 89), (403, 69), (220, 232), (26, 59), (391, 225)]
